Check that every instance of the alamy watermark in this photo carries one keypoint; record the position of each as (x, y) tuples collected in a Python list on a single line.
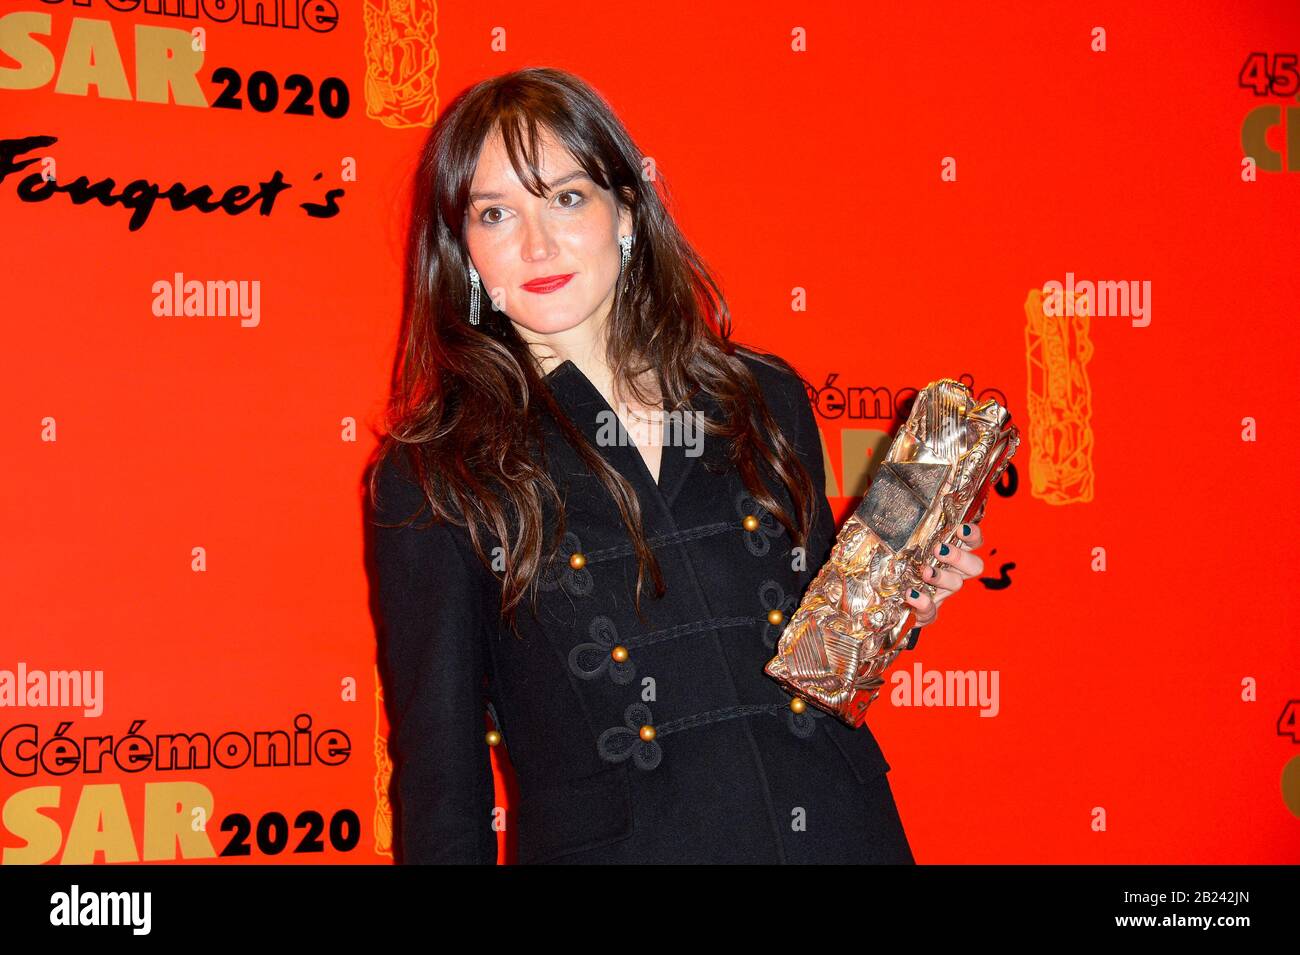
[(652, 427), (1131, 299)]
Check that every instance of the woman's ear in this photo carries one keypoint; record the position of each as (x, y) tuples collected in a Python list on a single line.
[(626, 221)]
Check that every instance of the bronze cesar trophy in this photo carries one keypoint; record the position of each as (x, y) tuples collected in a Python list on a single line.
[(853, 618)]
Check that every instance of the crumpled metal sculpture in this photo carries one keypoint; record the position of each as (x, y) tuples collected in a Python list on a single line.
[(853, 618)]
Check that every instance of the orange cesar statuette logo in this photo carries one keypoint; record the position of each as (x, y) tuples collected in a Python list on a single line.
[(1059, 402), (401, 62)]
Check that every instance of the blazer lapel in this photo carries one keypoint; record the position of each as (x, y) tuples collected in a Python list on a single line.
[(686, 445), (681, 438)]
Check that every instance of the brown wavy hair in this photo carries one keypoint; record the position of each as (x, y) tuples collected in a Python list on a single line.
[(466, 400)]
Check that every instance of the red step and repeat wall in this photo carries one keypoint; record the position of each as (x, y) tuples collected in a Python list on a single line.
[(888, 193)]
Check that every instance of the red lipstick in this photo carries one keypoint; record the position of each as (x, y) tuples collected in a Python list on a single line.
[(548, 283)]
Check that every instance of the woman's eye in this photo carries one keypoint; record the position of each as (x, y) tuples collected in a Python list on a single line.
[(581, 198)]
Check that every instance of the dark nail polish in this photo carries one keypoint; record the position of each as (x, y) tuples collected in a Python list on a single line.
[(915, 592), (965, 530), (943, 548)]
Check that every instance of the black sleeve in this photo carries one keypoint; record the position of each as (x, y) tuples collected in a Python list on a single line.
[(808, 443), (431, 600)]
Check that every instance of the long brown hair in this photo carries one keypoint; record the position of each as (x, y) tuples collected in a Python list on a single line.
[(466, 399)]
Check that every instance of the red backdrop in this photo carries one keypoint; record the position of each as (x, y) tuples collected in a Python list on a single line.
[(880, 192)]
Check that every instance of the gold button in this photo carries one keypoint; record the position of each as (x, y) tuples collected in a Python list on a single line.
[(619, 653), (774, 617), (751, 522), (798, 705), (577, 561), (647, 732), (493, 737)]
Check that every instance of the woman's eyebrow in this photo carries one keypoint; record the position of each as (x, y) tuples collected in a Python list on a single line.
[(567, 177)]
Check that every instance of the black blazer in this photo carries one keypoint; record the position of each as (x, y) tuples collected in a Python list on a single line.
[(732, 773)]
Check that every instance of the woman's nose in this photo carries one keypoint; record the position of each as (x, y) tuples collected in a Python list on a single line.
[(537, 241)]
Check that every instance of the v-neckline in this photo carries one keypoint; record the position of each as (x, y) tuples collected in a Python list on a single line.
[(669, 452)]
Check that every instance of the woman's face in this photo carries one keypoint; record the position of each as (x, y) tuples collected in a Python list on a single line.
[(516, 238)]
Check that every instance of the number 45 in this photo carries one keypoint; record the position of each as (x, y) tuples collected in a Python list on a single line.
[(1282, 80), (1288, 724)]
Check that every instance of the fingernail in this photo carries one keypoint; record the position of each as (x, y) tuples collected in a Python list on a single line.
[(943, 549), (915, 592), (965, 530)]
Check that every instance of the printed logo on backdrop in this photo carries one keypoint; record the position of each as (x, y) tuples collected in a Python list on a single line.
[(1275, 76), (82, 821), (1058, 347), (401, 62), (69, 53), (383, 813), (168, 58)]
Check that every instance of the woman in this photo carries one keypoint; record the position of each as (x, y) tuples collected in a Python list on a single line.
[(553, 309)]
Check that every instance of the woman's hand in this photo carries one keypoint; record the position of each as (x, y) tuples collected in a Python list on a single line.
[(955, 567)]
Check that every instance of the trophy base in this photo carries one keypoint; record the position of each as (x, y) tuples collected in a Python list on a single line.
[(824, 687)]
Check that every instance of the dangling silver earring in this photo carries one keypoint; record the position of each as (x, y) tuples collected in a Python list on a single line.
[(625, 244), (473, 294)]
